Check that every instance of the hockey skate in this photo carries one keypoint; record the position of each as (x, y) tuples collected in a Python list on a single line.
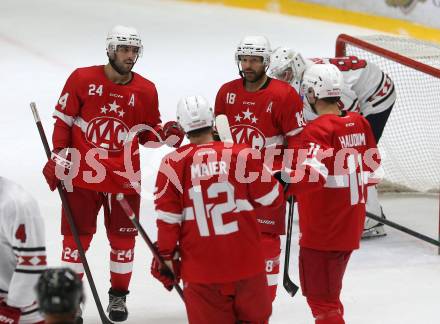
[(117, 310), (373, 228)]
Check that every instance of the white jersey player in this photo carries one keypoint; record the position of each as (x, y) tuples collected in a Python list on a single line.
[(367, 90), (22, 254)]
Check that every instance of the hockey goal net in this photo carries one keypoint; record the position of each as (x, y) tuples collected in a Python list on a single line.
[(410, 144)]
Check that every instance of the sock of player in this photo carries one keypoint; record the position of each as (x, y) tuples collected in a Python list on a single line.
[(70, 256), (326, 311), (271, 250), (121, 261)]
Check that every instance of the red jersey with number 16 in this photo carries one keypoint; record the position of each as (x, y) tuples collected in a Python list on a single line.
[(342, 160)]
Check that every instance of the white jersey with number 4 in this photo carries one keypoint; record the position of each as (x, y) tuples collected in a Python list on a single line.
[(367, 88), (22, 250)]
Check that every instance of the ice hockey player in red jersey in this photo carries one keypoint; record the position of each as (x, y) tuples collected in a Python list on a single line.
[(22, 254), (330, 185), (367, 89), (99, 111), (208, 216), (267, 115)]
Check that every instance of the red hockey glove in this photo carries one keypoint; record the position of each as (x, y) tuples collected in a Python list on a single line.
[(164, 275), (173, 134), (8, 314), (49, 169)]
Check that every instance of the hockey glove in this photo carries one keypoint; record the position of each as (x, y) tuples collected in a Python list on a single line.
[(8, 314), (49, 169), (173, 134), (170, 275)]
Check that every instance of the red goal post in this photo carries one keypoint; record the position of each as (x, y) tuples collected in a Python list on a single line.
[(410, 144)]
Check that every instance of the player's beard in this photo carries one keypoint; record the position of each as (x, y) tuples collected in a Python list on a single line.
[(254, 76), (121, 67)]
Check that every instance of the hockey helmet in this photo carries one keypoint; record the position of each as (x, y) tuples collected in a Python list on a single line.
[(322, 81), (194, 112), (123, 35), (254, 46), (284, 58), (59, 291)]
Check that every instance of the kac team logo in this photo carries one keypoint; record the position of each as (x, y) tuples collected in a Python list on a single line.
[(107, 132), (247, 134)]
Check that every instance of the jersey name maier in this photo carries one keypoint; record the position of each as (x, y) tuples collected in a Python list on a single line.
[(208, 169), (352, 140)]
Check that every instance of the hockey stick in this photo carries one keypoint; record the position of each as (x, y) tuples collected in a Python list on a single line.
[(288, 284), (404, 229), (69, 218), (130, 214), (223, 129)]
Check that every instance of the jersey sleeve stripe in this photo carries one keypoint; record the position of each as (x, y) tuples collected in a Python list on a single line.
[(337, 181), (269, 198), (81, 123), (385, 98), (295, 131), (243, 205), (353, 105), (379, 86), (69, 120), (274, 140), (24, 249), (317, 166), (29, 271), (169, 218)]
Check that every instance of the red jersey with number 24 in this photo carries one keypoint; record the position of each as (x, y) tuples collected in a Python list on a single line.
[(100, 115)]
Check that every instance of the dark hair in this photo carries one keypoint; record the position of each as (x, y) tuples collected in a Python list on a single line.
[(59, 291), (200, 131)]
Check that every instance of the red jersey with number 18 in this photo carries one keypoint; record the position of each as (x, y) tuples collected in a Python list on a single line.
[(342, 160), (269, 120)]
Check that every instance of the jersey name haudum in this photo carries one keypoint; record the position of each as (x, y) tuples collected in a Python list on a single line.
[(352, 140)]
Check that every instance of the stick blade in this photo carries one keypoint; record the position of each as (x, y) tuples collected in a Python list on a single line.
[(290, 287), (223, 129)]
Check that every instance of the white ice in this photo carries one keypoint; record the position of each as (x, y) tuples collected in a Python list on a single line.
[(189, 49)]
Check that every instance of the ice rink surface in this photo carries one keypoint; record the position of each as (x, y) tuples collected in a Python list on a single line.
[(189, 49)]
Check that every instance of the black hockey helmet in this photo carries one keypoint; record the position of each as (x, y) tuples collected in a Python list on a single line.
[(59, 291)]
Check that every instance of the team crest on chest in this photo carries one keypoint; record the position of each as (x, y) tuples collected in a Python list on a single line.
[(108, 131), (247, 134), (246, 115)]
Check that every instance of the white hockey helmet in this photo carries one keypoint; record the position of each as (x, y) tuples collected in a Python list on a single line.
[(194, 112), (123, 35), (322, 81), (284, 58), (254, 46)]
